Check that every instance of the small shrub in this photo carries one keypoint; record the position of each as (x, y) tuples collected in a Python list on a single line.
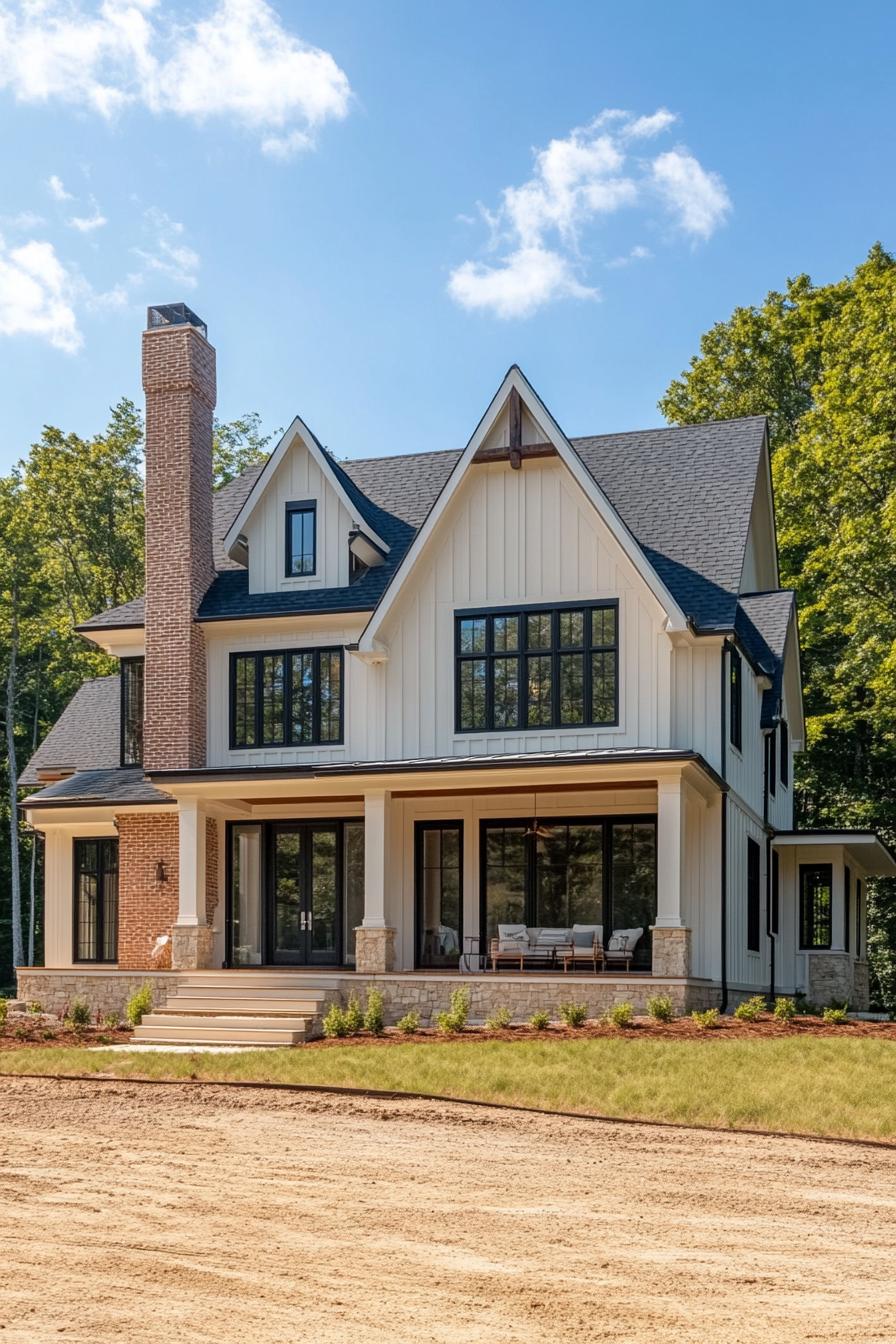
[(660, 1008), (22, 1032), (374, 1018), (574, 1014), (354, 1016), (79, 1013), (4, 1009), (102, 1039), (410, 1023), (621, 1014), (49, 1033), (540, 1020), (335, 1023), (35, 1007), (804, 1006), (111, 1020), (499, 1019), (456, 1017), (835, 1016), (138, 1005), (706, 1020), (751, 1009), (784, 1010)]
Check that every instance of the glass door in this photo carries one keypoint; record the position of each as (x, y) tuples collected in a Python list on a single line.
[(306, 886)]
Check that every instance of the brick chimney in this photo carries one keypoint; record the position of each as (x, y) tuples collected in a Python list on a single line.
[(179, 382)]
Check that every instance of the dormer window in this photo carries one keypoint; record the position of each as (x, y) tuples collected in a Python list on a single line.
[(301, 539)]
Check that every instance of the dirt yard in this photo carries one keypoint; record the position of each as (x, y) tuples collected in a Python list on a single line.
[(170, 1213)]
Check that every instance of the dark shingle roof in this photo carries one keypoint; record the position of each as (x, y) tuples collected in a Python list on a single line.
[(121, 785), (86, 734), (761, 624), (685, 492)]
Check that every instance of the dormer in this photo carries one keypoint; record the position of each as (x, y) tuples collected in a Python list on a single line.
[(304, 524)]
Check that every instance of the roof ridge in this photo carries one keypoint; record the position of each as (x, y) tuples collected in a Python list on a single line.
[(768, 592), (394, 457), (662, 429)]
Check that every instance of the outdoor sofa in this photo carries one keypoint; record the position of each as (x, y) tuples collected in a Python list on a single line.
[(583, 944)]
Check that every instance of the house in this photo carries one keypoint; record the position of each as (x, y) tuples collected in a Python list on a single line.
[(372, 715)]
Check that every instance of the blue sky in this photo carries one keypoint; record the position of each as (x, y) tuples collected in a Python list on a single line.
[(378, 207)]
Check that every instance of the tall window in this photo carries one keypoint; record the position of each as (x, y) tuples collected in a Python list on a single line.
[(815, 905), (537, 668), (847, 907), (301, 539), (96, 900), (735, 675), (287, 699), (439, 848), (775, 914), (132, 711), (771, 761), (753, 897), (858, 917), (784, 740)]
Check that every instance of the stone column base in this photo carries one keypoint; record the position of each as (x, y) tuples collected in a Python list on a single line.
[(671, 951), (192, 947), (861, 996), (830, 978), (374, 951)]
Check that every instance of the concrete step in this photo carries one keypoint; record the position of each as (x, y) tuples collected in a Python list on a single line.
[(248, 1022), (254, 1034), (240, 1006), (267, 979), (294, 991)]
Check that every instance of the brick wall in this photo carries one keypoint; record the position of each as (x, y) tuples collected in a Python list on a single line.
[(179, 382), (146, 907)]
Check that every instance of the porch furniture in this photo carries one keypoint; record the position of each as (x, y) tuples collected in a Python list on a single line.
[(621, 946), (511, 944), (519, 944), (586, 947)]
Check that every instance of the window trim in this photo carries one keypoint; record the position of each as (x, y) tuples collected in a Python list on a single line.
[(287, 654), (420, 828), (99, 840), (754, 894), (556, 650), (735, 699), (858, 919), (293, 507), (804, 870), (774, 914), (847, 906), (771, 753), (123, 706)]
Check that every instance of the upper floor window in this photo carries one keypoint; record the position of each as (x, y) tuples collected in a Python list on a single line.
[(132, 711), (784, 740), (753, 895), (771, 763), (537, 667), (735, 704), (815, 905), (301, 539), (287, 699)]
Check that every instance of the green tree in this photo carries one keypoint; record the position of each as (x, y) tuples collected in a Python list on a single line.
[(237, 446), (821, 362)]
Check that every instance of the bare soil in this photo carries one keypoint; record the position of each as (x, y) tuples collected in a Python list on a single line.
[(25, 1034), (176, 1212)]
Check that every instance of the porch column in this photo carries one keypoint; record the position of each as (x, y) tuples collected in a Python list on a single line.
[(191, 937), (375, 940), (671, 939)]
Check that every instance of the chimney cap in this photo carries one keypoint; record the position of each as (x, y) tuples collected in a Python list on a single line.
[(174, 315)]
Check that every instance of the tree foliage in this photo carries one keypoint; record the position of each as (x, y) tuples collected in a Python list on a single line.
[(237, 446), (821, 361)]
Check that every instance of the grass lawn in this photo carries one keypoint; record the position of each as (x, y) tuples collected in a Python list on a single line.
[(836, 1086)]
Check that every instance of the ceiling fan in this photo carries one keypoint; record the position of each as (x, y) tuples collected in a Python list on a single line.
[(543, 832)]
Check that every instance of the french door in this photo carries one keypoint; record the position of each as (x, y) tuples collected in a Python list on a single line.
[(305, 868)]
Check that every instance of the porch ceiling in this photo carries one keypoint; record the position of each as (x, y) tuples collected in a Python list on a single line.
[(876, 858)]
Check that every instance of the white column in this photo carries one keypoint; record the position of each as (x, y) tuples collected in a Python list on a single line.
[(669, 853), (191, 863), (376, 823)]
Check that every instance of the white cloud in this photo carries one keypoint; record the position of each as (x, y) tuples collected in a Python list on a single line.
[(239, 62), (698, 198), (87, 223), (26, 221), (168, 254), (637, 253), (54, 184), (539, 228), (37, 295)]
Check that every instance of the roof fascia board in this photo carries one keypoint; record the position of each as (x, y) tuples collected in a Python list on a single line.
[(297, 430), (763, 467), (515, 378)]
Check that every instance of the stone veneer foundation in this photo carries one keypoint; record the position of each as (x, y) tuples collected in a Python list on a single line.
[(105, 991)]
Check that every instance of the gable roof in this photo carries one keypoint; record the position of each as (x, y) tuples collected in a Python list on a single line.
[(123, 784), (86, 734), (762, 623)]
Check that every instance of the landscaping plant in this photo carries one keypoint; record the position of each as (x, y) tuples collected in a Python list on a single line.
[(835, 1016), (574, 1014), (374, 1019), (456, 1018), (410, 1023), (499, 1019), (706, 1020), (784, 1010), (751, 1009), (621, 1014), (138, 1005), (4, 1009), (540, 1020), (660, 1008), (354, 1016), (35, 1007), (335, 1023), (79, 1013)]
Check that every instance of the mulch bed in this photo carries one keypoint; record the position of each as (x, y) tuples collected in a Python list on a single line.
[(24, 1035)]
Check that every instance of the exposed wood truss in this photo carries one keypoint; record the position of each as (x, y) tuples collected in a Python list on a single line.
[(515, 450)]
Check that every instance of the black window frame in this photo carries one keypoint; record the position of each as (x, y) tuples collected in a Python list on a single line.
[(858, 918), (105, 844), (735, 699), (775, 908), (771, 754), (847, 906), (811, 944), (126, 667), (555, 651), (420, 829), (784, 753), (754, 896), (287, 655), (308, 506)]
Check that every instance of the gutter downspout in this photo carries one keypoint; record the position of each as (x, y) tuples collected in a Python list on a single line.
[(724, 824), (767, 755)]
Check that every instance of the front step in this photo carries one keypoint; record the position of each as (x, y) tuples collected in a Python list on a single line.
[(235, 1006), (238, 1008), (248, 1034)]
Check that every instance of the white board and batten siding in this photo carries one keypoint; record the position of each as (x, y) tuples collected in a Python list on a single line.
[(515, 538), (298, 478)]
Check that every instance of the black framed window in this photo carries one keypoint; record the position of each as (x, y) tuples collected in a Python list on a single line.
[(537, 667), (439, 847), (775, 912), (771, 759), (575, 870), (784, 743), (753, 895), (96, 900), (858, 916), (735, 698), (132, 678), (815, 905), (292, 698), (301, 539), (356, 567), (847, 907)]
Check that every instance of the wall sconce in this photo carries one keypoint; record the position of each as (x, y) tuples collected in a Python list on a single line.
[(161, 875)]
